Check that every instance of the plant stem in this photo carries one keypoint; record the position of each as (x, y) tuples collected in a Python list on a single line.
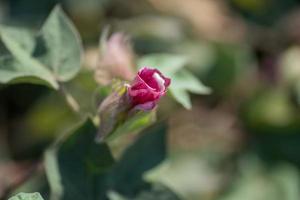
[(69, 99)]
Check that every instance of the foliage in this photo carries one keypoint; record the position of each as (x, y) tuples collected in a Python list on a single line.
[(79, 168), (66, 133), (51, 56), (25, 196), (183, 81), (76, 165)]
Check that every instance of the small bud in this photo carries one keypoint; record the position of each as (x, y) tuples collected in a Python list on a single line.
[(143, 94), (147, 88), (116, 60)]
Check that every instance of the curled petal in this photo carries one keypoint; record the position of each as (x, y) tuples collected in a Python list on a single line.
[(147, 88)]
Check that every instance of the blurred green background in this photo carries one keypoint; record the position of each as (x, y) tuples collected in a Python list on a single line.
[(241, 142)]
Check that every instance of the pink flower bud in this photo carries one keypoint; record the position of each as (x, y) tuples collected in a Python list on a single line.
[(117, 60), (147, 88)]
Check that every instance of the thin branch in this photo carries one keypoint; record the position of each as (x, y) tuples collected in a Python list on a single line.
[(69, 99)]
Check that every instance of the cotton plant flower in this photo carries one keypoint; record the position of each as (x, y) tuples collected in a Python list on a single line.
[(142, 94), (147, 88)]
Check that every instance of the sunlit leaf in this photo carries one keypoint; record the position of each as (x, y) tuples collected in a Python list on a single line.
[(59, 45), (182, 97), (27, 196), (51, 57), (20, 63), (182, 81), (168, 64)]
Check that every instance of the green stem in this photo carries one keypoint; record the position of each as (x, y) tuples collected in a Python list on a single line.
[(69, 99)]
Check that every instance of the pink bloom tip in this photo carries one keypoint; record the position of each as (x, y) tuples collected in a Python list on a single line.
[(147, 88)]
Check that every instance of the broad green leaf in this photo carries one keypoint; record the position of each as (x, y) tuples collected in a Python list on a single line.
[(186, 81), (24, 37), (78, 168), (182, 81), (168, 64), (147, 152), (27, 196), (75, 164), (51, 57), (59, 46), (20, 64), (182, 97)]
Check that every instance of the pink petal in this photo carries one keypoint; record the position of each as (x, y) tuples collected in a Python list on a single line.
[(146, 106)]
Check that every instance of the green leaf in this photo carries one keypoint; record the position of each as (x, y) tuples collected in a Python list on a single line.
[(24, 37), (186, 81), (168, 64), (182, 81), (60, 46), (147, 152), (76, 163), (20, 63), (182, 97), (27, 196), (51, 57), (78, 168)]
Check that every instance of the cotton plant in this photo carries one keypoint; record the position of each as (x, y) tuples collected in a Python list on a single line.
[(80, 164), (143, 93)]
